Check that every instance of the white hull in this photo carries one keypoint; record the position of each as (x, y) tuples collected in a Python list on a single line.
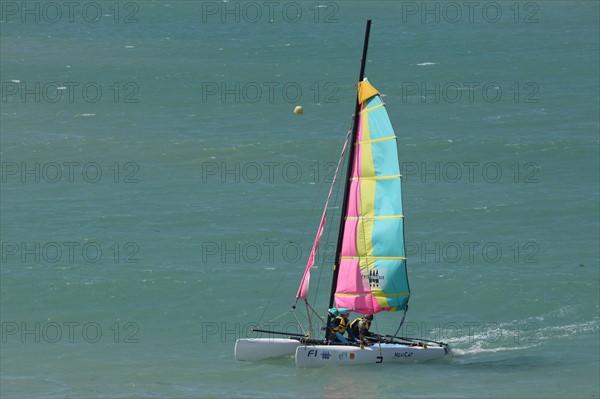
[(254, 349), (328, 355)]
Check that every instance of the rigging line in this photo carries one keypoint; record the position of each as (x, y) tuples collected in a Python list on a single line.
[(308, 222), (315, 247), (275, 318), (324, 254), (343, 155), (327, 327), (309, 320), (301, 314), (333, 222), (269, 302), (298, 321), (401, 321), (282, 315), (310, 309), (315, 312)]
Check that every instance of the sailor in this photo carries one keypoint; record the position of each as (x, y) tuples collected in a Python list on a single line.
[(359, 329), (338, 327)]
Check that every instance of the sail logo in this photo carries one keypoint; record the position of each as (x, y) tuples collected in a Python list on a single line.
[(374, 278), (325, 355)]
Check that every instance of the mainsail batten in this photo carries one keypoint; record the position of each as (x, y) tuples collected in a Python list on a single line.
[(372, 276)]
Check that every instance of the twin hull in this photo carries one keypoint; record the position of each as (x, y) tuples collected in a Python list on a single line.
[(324, 355)]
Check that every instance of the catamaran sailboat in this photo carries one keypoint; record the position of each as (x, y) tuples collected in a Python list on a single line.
[(369, 274)]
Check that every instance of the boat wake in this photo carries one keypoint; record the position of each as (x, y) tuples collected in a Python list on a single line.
[(519, 335)]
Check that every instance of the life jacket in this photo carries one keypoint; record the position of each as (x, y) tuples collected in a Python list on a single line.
[(354, 325), (339, 325)]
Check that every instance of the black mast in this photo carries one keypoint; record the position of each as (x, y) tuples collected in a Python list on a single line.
[(338, 250)]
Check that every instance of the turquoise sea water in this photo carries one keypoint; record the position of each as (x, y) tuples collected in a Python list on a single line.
[(159, 197)]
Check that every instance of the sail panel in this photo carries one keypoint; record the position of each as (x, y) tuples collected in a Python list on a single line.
[(350, 234), (382, 231), (353, 281), (391, 205), (372, 276)]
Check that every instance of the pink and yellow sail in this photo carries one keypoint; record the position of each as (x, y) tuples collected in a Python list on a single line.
[(372, 276), (372, 271)]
